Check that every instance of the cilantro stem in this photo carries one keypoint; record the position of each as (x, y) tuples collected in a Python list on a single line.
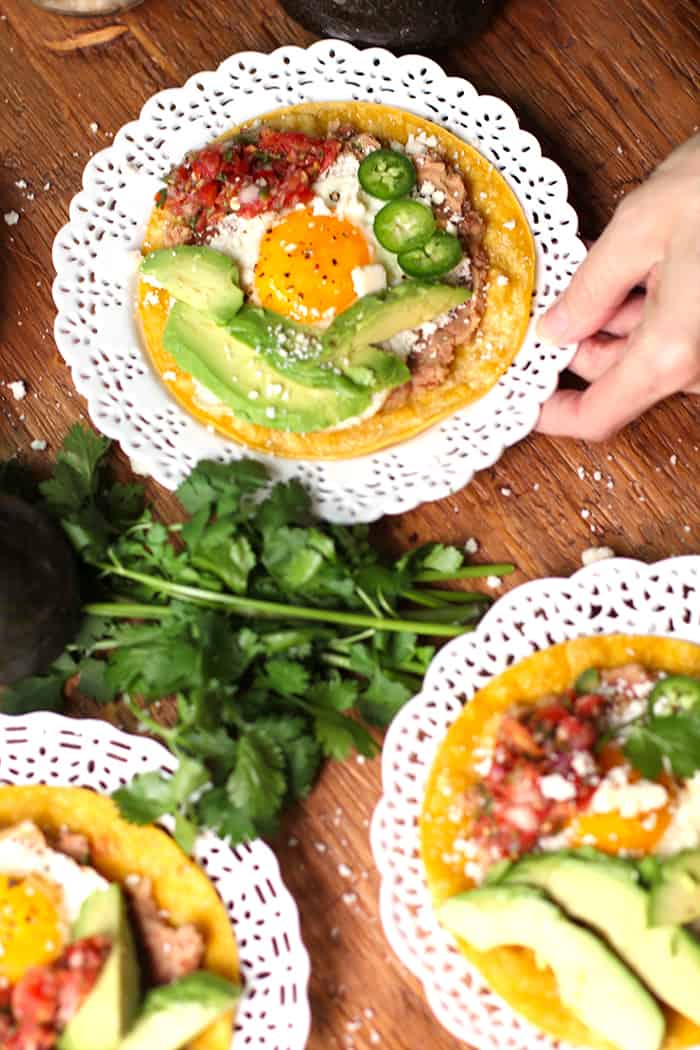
[(434, 598), (129, 609), (421, 599), (335, 660), (351, 639), (467, 573), (251, 606)]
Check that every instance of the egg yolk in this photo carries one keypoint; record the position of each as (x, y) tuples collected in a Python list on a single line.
[(611, 832), (304, 269), (31, 927)]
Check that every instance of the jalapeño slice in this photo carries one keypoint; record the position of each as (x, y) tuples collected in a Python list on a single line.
[(438, 255), (403, 225), (677, 691), (386, 174)]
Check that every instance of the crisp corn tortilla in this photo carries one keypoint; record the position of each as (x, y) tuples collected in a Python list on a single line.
[(119, 849), (512, 972), (478, 364)]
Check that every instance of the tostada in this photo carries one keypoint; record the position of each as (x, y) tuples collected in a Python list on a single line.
[(111, 938), (560, 835), (332, 278)]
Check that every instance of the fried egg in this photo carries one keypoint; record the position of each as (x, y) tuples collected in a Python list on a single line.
[(41, 894), (315, 260), (306, 263)]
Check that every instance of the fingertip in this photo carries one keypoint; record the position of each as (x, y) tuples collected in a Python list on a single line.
[(553, 325), (559, 416)]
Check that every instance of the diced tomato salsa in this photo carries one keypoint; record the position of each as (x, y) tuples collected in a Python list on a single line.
[(509, 809), (35, 1010), (272, 172)]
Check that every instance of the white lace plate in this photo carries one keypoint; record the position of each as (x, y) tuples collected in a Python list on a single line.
[(274, 1011), (619, 596), (95, 260)]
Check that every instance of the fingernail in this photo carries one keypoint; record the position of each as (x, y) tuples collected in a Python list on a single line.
[(553, 326)]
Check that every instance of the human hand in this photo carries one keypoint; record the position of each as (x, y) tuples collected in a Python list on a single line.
[(635, 348)]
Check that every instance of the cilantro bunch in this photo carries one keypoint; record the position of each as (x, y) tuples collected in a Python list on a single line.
[(279, 639)]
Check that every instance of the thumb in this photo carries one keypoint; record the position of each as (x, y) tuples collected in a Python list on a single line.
[(618, 261)]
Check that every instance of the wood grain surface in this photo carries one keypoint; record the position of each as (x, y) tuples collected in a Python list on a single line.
[(608, 89)]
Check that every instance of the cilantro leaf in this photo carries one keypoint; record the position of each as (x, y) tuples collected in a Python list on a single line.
[(147, 797), (382, 699), (93, 680), (185, 833), (75, 472), (439, 558), (673, 738), (257, 784), (215, 547), (123, 504), (40, 693), (214, 810), (303, 757), (302, 753), (287, 504), (339, 734), (335, 693), (286, 677), (151, 795), (189, 776), (154, 660), (292, 558), (211, 482)]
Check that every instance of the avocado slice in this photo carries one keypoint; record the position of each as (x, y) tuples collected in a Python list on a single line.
[(246, 381), (376, 318), (593, 983), (108, 1011), (201, 277), (674, 896), (297, 351), (177, 1012), (607, 895)]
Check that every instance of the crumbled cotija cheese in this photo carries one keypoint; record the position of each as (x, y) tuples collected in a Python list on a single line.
[(616, 793), (583, 764), (368, 279), (557, 788), (683, 832), (420, 143)]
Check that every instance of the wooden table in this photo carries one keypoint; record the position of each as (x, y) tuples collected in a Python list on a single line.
[(609, 90)]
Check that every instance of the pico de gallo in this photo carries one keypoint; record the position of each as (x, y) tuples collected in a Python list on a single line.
[(254, 172), (35, 1010), (548, 760)]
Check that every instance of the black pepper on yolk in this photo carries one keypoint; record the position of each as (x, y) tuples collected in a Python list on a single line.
[(305, 264)]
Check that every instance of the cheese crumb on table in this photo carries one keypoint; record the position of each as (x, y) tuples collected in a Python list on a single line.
[(38, 445), (11, 218), (594, 554), (18, 389)]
